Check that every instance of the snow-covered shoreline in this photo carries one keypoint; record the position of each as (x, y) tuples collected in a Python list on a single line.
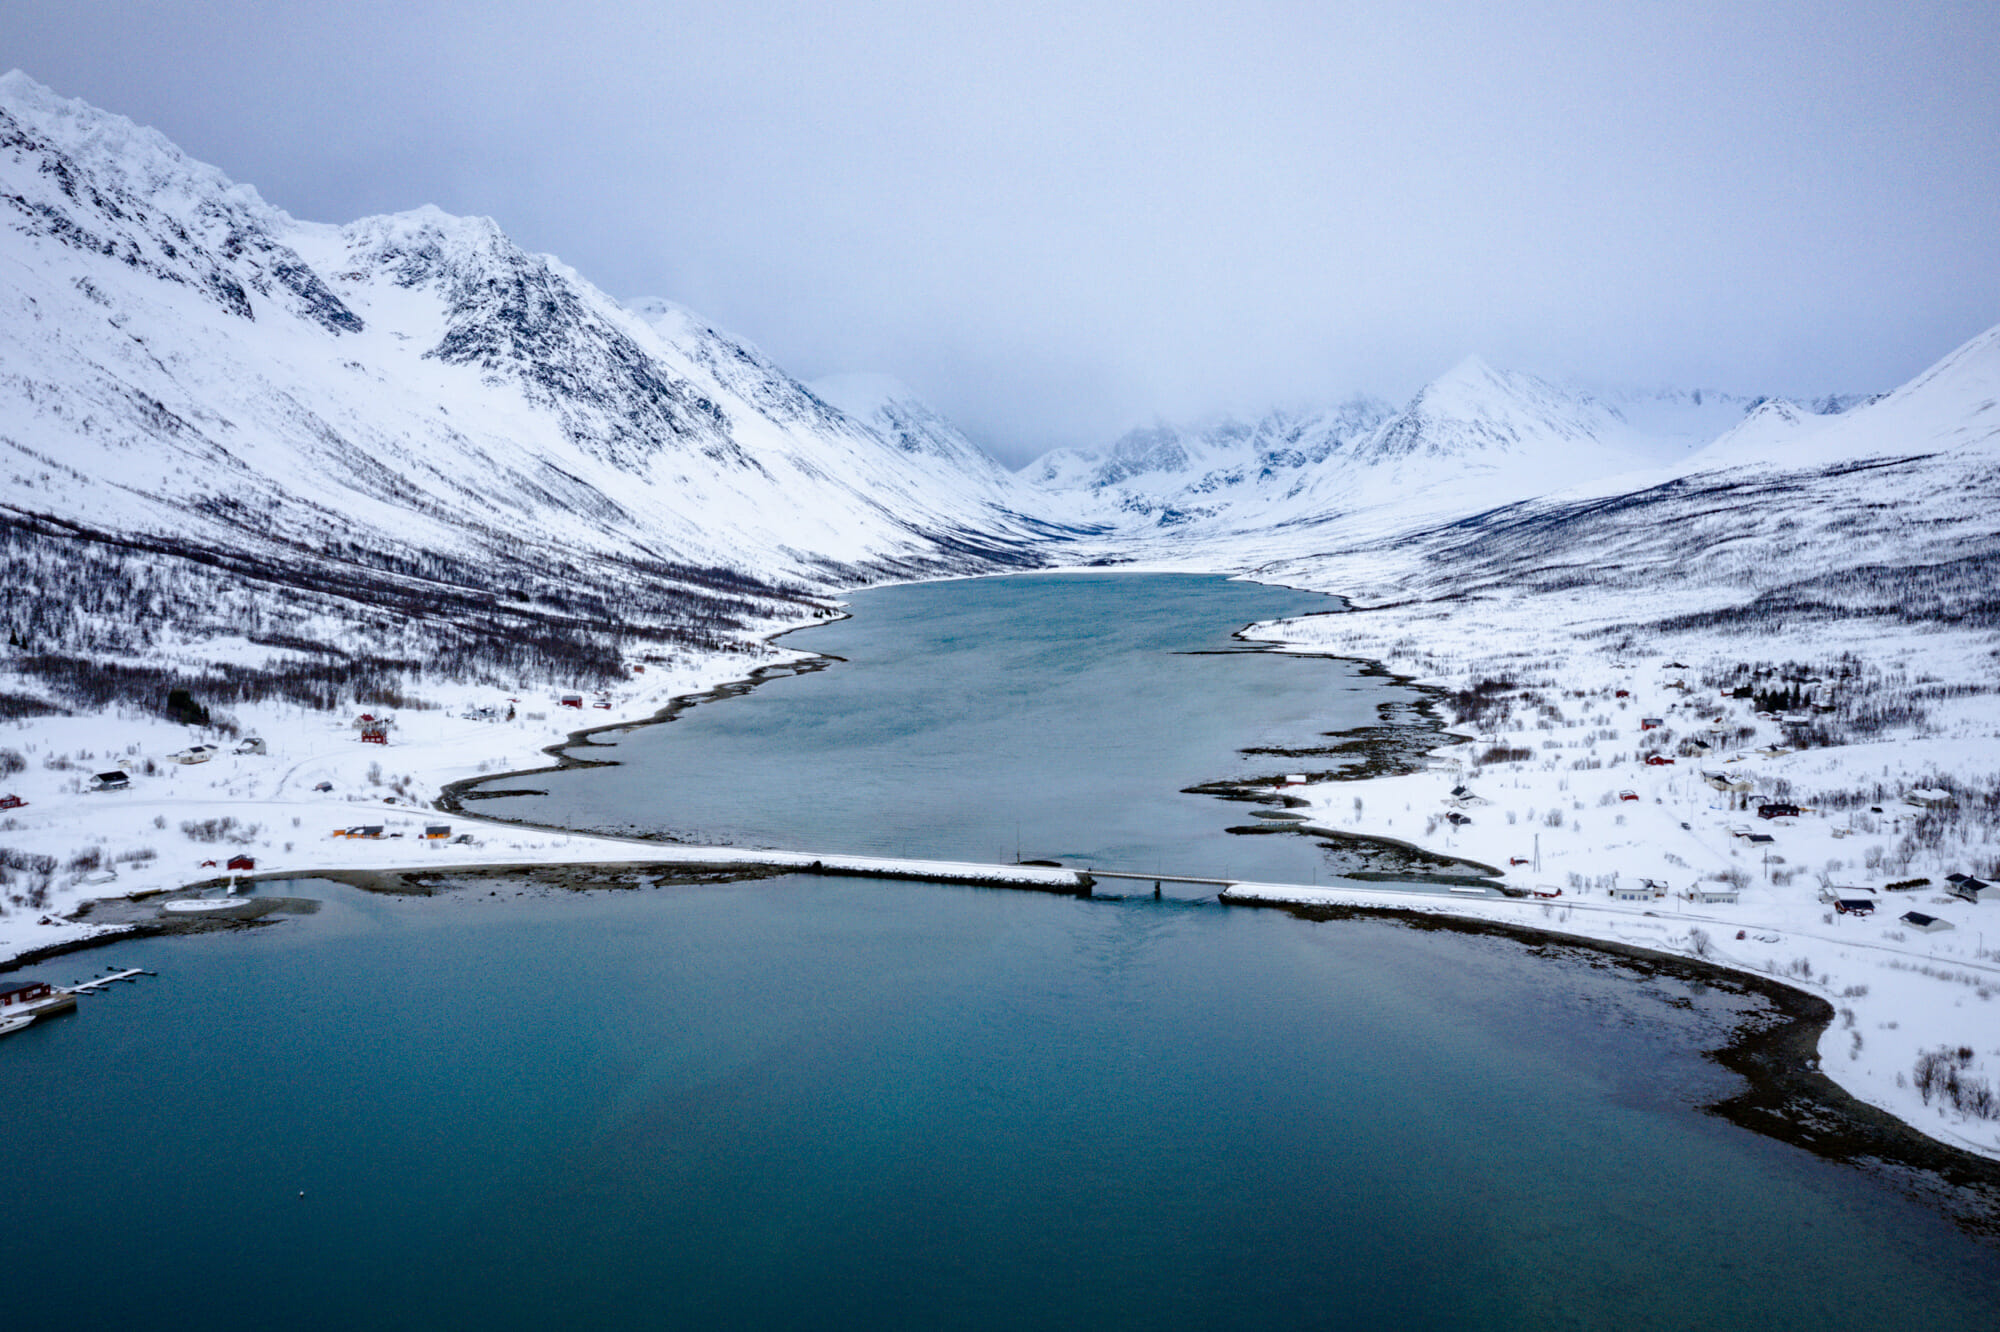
[(1896, 993), (1554, 789)]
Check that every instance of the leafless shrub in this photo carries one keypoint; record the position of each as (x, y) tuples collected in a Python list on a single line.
[(1944, 1073), (222, 829)]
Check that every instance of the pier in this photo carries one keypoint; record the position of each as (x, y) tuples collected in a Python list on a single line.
[(101, 982)]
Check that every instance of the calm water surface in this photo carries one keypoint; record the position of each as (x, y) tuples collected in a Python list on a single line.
[(844, 1104), (1059, 714)]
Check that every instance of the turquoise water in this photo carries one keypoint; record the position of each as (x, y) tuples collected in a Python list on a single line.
[(847, 1104), (1059, 715)]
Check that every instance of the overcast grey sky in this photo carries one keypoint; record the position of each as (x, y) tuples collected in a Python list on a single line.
[(1059, 220)]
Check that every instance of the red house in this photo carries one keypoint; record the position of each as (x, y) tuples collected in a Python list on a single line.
[(242, 863), (11, 802), (19, 998)]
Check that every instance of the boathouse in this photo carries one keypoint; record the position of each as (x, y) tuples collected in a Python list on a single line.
[(21, 996), (242, 863)]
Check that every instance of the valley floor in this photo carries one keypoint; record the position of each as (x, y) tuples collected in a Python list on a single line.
[(1558, 798), (1550, 719)]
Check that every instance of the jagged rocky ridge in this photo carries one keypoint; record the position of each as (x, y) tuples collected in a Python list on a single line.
[(229, 423), (237, 443)]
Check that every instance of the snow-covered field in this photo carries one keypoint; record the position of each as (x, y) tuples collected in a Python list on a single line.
[(1558, 795), (271, 807)]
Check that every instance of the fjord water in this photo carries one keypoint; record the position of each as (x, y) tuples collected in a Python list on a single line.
[(835, 1103), (1058, 714)]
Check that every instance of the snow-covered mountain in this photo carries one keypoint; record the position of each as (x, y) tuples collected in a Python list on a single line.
[(190, 369), (1883, 515), (1169, 476), (1474, 436), (887, 405), (433, 444)]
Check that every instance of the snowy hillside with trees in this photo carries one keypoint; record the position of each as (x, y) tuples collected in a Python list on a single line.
[(261, 472), (403, 440)]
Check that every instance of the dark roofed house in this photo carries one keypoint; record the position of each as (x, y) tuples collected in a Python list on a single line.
[(1778, 809), (110, 781), (1855, 906), (30, 998), (1917, 920), (1974, 890)]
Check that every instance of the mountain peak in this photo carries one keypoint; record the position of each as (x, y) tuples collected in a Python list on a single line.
[(1475, 413), (125, 157), (1472, 368)]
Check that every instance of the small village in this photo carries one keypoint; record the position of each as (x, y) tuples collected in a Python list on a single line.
[(1645, 809)]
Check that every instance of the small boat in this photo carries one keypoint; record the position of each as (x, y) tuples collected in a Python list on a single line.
[(10, 1025)]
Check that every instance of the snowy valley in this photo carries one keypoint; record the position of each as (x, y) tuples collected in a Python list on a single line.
[(300, 471)]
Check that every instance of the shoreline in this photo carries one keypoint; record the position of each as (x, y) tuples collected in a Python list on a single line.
[(1780, 1071), (1787, 1096), (1788, 1068)]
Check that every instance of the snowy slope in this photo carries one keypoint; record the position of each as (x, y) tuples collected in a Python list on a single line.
[(1885, 514), (1953, 405), (887, 406), (188, 366), (1214, 474), (1474, 436)]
